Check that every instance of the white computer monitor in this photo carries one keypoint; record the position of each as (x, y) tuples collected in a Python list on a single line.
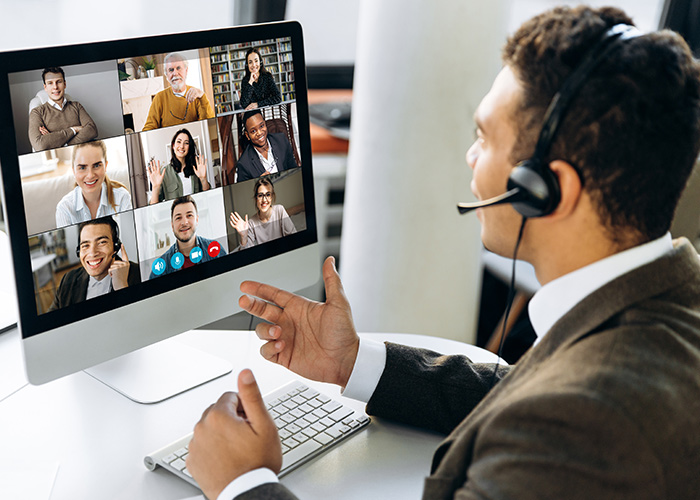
[(171, 106)]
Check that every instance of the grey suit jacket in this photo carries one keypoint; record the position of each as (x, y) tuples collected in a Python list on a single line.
[(607, 405)]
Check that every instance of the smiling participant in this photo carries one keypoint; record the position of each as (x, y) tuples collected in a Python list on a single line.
[(181, 103), (266, 153), (95, 194), (59, 122), (185, 174), (270, 222), (184, 219), (102, 270), (258, 87)]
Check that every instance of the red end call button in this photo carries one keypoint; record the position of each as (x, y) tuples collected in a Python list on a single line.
[(213, 249)]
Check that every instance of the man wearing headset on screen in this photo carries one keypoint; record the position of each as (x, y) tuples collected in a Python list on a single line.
[(605, 404), (102, 270)]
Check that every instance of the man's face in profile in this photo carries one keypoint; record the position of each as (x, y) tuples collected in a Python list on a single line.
[(256, 130), (176, 73), (96, 249), (184, 222), (489, 158), (55, 86)]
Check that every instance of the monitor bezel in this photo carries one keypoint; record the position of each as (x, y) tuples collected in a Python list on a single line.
[(32, 323)]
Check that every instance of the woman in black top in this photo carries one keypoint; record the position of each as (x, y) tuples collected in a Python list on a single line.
[(258, 87)]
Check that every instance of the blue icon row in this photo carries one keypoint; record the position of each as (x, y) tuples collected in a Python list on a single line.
[(177, 261)]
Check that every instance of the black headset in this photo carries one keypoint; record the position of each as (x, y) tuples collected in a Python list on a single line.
[(113, 226), (533, 189)]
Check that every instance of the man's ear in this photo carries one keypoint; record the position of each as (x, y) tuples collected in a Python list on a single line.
[(570, 186)]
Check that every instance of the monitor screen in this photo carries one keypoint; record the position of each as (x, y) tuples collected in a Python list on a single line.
[(145, 178)]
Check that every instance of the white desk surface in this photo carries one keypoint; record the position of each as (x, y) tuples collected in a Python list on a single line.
[(99, 438)]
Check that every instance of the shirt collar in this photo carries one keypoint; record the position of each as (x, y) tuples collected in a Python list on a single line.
[(53, 103), (558, 297), (80, 201)]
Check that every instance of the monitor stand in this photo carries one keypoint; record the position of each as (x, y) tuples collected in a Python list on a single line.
[(159, 371)]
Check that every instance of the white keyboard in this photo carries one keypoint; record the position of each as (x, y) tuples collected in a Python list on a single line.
[(308, 422)]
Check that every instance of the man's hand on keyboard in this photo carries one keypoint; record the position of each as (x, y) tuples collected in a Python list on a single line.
[(234, 436), (315, 340)]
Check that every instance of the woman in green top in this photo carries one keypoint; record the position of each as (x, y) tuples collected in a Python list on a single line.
[(185, 174)]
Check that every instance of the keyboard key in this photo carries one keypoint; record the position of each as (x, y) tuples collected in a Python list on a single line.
[(301, 437), (181, 452), (302, 423), (310, 431), (331, 406), (334, 432), (306, 408), (327, 422), (297, 413), (178, 464), (323, 398), (299, 400), (323, 438), (293, 428), (309, 393), (284, 434), (319, 413), (318, 427), (287, 418), (340, 414), (299, 453), (290, 443), (311, 418), (170, 458), (315, 402)]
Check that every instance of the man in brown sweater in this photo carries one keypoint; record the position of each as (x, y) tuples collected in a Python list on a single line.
[(59, 122), (181, 103)]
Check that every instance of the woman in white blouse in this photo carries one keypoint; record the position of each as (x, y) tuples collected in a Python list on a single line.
[(95, 194)]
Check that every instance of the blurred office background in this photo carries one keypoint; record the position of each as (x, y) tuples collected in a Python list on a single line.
[(410, 263)]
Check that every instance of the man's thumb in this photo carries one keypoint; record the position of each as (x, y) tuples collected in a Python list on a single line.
[(331, 280), (250, 398)]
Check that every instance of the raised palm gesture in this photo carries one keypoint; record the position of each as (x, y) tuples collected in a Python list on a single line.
[(240, 225), (155, 177), (200, 170), (316, 340)]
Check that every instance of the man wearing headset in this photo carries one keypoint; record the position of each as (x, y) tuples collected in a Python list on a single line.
[(102, 270), (604, 405)]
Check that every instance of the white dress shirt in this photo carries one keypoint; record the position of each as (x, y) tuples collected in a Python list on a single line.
[(547, 306), (73, 210), (269, 163), (98, 287)]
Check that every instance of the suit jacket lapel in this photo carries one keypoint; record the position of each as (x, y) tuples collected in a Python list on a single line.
[(585, 319)]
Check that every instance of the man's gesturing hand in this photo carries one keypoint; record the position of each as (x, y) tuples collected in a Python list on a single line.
[(316, 340), (234, 436)]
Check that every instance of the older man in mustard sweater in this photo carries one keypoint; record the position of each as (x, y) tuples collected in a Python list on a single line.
[(180, 103), (59, 122)]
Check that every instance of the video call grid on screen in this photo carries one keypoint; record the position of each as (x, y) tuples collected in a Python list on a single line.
[(129, 125)]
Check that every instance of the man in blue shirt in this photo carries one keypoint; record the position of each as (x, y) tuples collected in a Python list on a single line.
[(189, 249)]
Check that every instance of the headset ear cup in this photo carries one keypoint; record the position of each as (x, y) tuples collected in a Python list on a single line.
[(538, 184)]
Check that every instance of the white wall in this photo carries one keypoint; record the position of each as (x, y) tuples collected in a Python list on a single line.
[(36, 23)]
